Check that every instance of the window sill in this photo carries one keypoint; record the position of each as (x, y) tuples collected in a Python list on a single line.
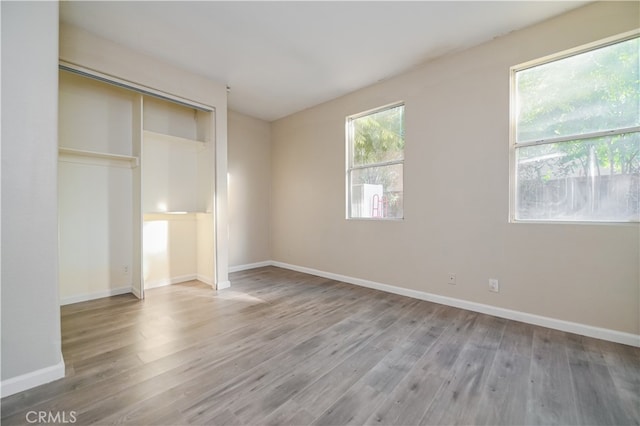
[(375, 219), (572, 222)]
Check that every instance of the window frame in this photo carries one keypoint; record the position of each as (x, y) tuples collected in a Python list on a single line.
[(514, 145), (351, 168)]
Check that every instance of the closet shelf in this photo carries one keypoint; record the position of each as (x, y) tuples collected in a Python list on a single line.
[(171, 216), (79, 153), (176, 213), (169, 138)]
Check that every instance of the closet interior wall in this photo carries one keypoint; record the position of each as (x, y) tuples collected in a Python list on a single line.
[(177, 187), (96, 210)]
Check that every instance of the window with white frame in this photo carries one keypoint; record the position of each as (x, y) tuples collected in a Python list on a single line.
[(576, 136), (375, 145)]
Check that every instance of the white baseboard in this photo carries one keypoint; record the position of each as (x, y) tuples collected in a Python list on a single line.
[(32, 379), (239, 268), (223, 284), (96, 295), (169, 281), (205, 279), (557, 324), (137, 293)]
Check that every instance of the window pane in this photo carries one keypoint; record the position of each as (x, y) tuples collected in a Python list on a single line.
[(376, 192), (589, 92), (378, 137), (587, 180)]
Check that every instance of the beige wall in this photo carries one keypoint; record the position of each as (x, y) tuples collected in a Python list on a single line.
[(249, 164), (456, 191)]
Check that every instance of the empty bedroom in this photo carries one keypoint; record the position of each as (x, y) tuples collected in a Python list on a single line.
[(328, 213)]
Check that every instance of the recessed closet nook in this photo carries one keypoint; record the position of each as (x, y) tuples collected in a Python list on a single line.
[(135, 190)]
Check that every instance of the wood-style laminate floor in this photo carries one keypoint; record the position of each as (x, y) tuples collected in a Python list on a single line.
[(281, 347)]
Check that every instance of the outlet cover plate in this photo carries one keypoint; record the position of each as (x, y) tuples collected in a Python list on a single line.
[(494, 285)]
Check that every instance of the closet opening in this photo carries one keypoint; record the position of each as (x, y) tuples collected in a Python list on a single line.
[(136, 189)]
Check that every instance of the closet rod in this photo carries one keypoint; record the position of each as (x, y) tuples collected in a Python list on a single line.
[(130, 86)]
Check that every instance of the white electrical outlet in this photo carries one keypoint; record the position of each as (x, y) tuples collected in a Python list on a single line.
[(125, 269), (494, 285), (452, 278)]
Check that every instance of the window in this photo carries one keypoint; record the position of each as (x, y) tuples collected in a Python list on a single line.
[(375, 142), (576, 136)]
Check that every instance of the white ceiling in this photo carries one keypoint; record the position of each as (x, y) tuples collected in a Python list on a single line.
[(282, 57)]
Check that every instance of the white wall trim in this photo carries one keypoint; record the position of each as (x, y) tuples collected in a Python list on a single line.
[(97, 295), (557, 324), (32, 379), (129, 85), (223, 284), (137, 293), (205, 279), (239, 268), (169, 281)]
